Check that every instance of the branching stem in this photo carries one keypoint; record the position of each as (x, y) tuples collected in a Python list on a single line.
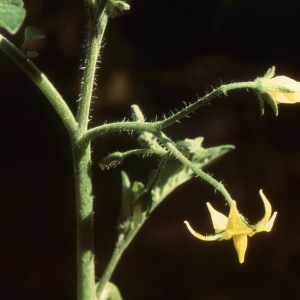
[(123, 242), (42, 83), (157, 126)]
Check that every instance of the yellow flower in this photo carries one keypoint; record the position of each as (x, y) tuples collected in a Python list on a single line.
[(283, 97), (236, 227)]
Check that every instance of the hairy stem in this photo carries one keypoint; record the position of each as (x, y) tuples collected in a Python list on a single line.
[(42, 83), (82, 157), (173, 149), (153, 127), (96, 32), (118, 127), (84, 213), (122, 244), (117, 157), (223, 89)]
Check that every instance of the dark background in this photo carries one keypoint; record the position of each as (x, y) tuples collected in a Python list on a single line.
[(157, 55)]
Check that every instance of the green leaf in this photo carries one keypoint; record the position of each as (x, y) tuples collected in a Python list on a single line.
[(175, 173), (12, 15), (110, 292), (31, 35)]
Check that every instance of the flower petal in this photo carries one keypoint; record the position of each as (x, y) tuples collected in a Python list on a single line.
[(202, 237), (218, 219), (286, 98), (235, 225), (260, 226), (240, 243), (269, 225), (287, 82)]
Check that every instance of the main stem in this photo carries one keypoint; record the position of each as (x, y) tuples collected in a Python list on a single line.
[(96, 33), (84, 214), (82, 161)]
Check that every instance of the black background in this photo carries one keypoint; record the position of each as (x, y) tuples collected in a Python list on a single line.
[(157, 55)]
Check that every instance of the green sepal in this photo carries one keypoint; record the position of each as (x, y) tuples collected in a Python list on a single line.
[(261, 103), (264, 85), (12, 15), (110, 292), (271, 102), (275, 87), (270, 73), (30, 35)]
